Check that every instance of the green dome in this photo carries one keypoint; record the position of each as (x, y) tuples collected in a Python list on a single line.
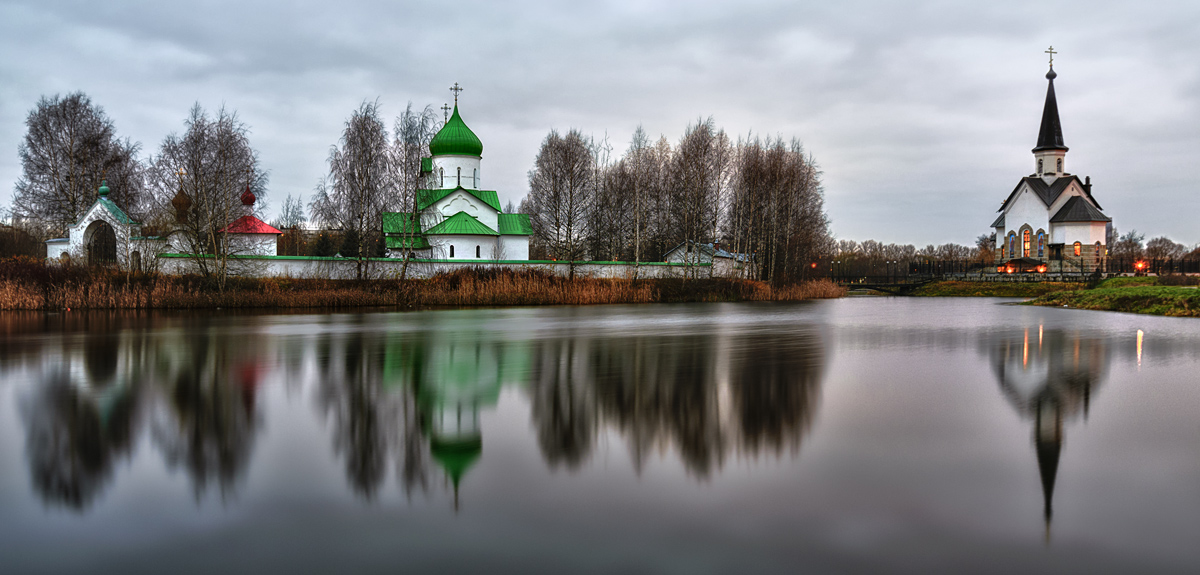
[(456, 138)]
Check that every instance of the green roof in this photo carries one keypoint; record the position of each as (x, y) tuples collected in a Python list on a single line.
[(399, 223), (407, 241), (426, 198), (426, 165), (461, 224), (514, 225), (456, 138)]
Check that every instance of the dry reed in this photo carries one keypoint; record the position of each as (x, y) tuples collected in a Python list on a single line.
[(27, 284)]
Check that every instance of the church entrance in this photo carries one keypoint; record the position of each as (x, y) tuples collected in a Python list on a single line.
[(100, 241)]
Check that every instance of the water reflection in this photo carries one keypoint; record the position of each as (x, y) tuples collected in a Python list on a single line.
[(407, 399), (1049, 376)]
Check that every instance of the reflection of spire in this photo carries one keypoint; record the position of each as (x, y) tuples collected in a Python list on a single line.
[(1048, 440)]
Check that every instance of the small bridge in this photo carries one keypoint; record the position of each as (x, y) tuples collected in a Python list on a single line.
[(894, 285)]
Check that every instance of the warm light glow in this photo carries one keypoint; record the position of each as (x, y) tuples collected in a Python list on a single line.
[(1025, 352), (1041, 269), (1000, 269), (814, 265), (1141, 334), (1140, 265), (1008, 270)]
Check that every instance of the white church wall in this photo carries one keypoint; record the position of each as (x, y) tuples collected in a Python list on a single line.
[(514, 248), (464, 247), (1026, 208), (1086, 233), (446, 170)]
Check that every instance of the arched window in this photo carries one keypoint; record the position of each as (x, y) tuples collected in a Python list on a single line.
[(460, 176), (1012, 244), (452, 250), (1099, 252), (1039, 166), (1078, 248), (1060, 165), (476, 252), (475, 178), (442, 175), (1041, 245), (1025, 243)]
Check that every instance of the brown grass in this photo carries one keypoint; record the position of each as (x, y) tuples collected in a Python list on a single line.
[(27, 284)]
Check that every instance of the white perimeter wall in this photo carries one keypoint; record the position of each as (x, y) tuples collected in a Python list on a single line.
[(387, 269)]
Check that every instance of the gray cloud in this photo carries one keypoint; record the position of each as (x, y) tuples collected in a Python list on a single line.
[(921, 114)]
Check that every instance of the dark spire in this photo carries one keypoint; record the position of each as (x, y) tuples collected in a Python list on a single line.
[(1050, 136), (1048, 441)]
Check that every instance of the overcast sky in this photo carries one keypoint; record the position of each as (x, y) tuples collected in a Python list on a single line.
[(922, 115)]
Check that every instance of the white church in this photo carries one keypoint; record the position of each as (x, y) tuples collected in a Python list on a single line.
[(1050, 222), (456, 219)]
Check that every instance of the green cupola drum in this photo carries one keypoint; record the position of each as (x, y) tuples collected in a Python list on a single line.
[(456, 139)]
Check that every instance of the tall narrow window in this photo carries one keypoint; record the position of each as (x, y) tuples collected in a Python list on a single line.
[(1012, 244), (452, 251), (442, 176), (1039, 166), (1041, 245), (475, 178), (1060, 165), (476, 252), (1025, 243), (460, 176), (1098, 253), (1078, 248)]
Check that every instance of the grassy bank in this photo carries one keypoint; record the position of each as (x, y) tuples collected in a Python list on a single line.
[(30, 285), (994, 289), (1148, 299)]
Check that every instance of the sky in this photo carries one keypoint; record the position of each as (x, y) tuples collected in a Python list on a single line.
[(921, 115)]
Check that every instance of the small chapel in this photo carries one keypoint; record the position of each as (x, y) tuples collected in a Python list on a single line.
[(1050, 222), (455, 218)]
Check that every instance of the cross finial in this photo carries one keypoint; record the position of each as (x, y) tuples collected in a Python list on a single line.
[(445, 113), (456, 89), (1051, 52)]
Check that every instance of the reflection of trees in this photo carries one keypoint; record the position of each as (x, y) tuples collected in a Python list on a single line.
[(1049, 377), (73, 437), (352, 398), (702, 394), (211, 402)]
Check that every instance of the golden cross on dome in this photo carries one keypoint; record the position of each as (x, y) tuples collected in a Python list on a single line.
[(445, 113), (1051, 52), (456, 89)]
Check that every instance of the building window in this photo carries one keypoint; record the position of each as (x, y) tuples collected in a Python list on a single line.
[(1039, 166), (1041, 244), (452, 250), (1098, 252), (442, 175), (1025, 243), (1012, 244), (1078, 248), (1060, 165), (475, 178), (460, 176), (476, 252)]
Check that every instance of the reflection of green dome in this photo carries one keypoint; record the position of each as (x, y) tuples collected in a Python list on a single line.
[(456, 456), (456, 138)]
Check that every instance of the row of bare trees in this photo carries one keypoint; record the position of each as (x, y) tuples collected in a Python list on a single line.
[(372, 172), (759, 197)]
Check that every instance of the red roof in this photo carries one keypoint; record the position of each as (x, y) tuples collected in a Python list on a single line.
[(250, 225)]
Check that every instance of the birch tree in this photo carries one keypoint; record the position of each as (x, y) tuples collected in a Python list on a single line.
[(561, 189)]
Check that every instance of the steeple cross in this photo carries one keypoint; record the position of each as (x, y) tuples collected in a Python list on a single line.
[(456, 89), (445, 113), (1051, 52)]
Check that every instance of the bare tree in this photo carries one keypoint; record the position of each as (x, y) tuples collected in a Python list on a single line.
[(414, 131), (291, 213), (213, 164), (561, 190), (1162, 248), (361, 185), (69, 148)]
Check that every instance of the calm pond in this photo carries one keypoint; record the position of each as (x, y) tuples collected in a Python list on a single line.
[(859, 435)]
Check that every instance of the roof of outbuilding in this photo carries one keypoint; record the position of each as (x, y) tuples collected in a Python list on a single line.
[(999, 223), (1078, 209), (514, 225), (400, 223), (250, 225), (461, 224)]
